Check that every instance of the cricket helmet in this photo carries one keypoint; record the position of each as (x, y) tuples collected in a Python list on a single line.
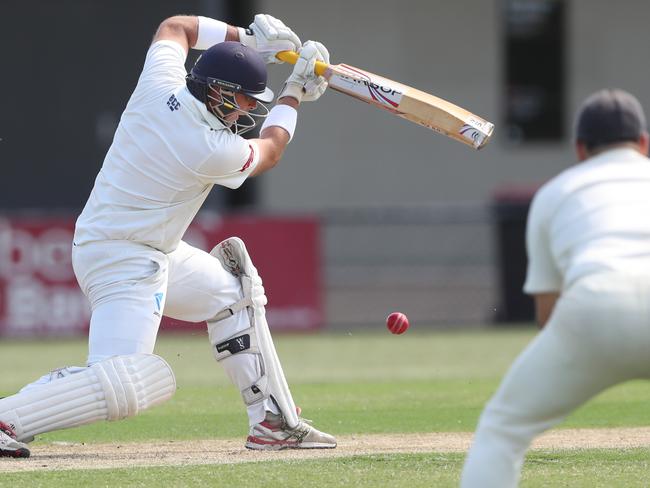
[(223, 70)]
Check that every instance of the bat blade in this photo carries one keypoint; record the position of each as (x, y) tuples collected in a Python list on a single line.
[(409, 103)]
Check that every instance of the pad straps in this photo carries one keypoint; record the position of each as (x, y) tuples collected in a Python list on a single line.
[(247, 301), (232, 309), (245, 341)]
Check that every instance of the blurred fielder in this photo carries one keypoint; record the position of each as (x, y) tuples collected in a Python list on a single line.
[(179, 135), (588, 241)]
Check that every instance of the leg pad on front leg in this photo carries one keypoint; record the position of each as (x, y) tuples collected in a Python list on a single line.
[(256, 339), (244, 342)]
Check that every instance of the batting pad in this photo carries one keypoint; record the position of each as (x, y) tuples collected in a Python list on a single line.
[(257, 339), (113, 389)]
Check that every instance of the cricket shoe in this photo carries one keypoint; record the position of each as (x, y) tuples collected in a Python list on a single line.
[(274, 434), (9, 446)]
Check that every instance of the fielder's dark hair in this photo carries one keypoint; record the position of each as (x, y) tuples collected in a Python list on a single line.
[(608, 117)]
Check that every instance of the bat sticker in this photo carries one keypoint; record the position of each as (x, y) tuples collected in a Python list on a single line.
[(471, 133), (360, 84)]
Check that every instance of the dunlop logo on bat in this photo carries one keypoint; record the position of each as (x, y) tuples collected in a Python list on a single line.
[(374, 86), (367, 87)]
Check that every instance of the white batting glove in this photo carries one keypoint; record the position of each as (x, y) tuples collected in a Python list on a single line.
[(268, 36), (303, 84)]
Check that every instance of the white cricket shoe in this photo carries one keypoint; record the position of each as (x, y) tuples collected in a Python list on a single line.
[(273, 434), (9, 446)]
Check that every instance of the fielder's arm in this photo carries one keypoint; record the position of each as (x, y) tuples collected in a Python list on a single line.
[(544, 305)]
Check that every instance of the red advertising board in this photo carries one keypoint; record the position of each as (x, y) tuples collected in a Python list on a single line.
[(39, 295)]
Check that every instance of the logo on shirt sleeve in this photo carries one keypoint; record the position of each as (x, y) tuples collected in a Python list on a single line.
[(173, 103), (250, 160)]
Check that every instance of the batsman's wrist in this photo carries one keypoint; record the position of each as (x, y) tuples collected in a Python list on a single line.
[(292, 89), (210, 32), (282, 116)]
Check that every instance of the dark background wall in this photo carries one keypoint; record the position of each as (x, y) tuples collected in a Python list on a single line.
[(68, 69)]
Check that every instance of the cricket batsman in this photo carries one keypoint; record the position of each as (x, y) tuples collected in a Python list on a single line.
[(179, 135)]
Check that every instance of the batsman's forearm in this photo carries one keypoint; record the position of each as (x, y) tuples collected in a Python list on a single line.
[(232, 34), (211, 31), (276, 132), (272, 143), (180, 28), (292, 102)]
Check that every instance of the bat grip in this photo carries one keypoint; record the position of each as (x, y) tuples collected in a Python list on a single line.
[(291, 57)]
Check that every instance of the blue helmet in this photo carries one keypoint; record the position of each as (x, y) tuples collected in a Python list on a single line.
[(235, 67), (223, 70)]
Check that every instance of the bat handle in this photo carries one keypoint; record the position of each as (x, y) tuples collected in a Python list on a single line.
[(291, 57)]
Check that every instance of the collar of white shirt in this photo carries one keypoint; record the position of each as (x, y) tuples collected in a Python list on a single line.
[(188, 99), (617, 153)]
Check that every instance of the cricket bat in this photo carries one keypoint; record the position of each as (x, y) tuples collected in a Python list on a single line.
[(411, 104)]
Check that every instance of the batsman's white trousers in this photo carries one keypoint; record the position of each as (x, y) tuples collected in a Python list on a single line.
[(597, 336), (130, 286)]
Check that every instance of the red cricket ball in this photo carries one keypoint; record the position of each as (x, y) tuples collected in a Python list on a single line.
[(397, 323)]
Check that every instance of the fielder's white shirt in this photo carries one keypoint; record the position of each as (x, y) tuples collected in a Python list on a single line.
[(590, 218), (167, 153)]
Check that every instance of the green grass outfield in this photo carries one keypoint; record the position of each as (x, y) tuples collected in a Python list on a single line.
[(349, 383)]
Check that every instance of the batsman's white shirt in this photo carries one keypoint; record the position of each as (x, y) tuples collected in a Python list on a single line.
[(167, 153), (589, 219)]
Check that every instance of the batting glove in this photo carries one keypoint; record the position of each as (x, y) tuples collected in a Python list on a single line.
[(303, 84), (268, 36)]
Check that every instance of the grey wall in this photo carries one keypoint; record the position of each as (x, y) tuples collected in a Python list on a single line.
[(65, 86), (348, 153), (345, 154), (609, 47), (68, 68)]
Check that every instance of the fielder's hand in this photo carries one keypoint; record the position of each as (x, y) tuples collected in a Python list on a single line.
[(303, 84), (269, 36)]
